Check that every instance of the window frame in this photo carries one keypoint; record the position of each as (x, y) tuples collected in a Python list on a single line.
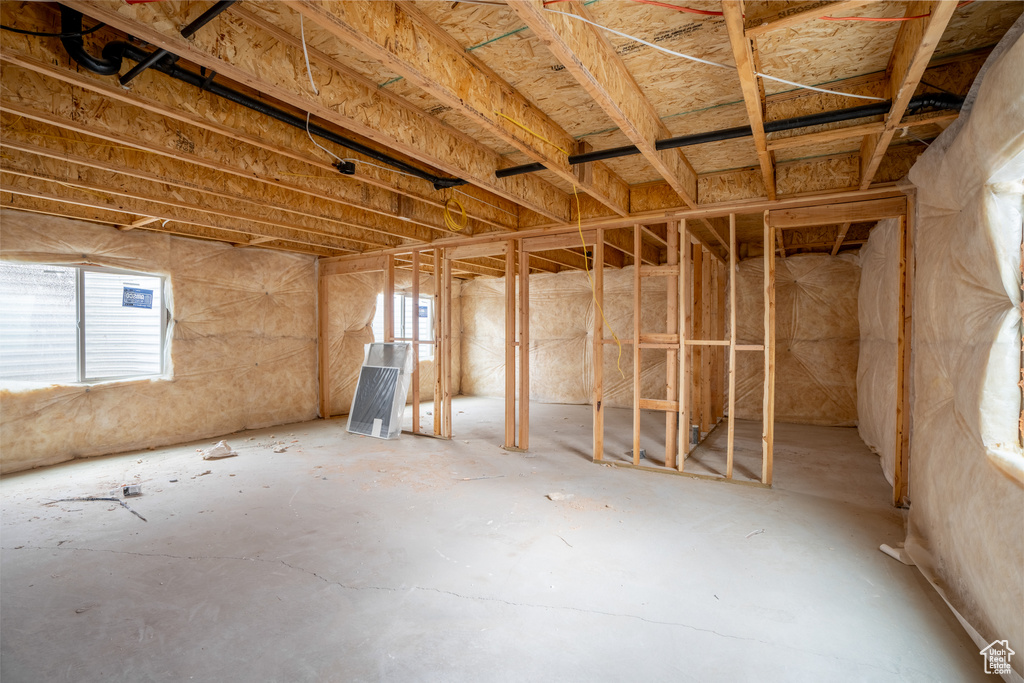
[(80, 271)]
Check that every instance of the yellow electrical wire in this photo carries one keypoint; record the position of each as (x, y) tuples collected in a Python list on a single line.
[(449, 220), (583, 241), (532, 132)]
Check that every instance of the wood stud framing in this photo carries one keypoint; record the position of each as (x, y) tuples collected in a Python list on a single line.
[(214, 170)]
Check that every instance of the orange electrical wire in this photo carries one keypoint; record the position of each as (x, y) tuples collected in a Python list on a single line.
[(678, 8)]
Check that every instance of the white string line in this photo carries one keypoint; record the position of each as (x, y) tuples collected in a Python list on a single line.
[(708, 62), (309, 72), (477, 199)]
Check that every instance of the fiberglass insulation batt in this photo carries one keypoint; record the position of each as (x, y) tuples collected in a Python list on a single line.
[(816, 339), (242, 342), (966, 522)]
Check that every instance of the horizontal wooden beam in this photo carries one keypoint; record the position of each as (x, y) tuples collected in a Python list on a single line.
[(568, 240), (850, 132), (649, 217), (63, 208), (248, 196), (371, 188), (828, 214), (364, 264), (399, 35), (588, 55), (477, 250), (49, 109), (775, 15), (260, 61), (173, 198), (69, 193)]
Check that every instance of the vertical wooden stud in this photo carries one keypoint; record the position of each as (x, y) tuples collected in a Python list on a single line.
[(598, 339), (901, 471), (637, 253), (697, 328), (524, 347), (447, 398), (707, 352), (732, 346), (718, 388), (324, 344), (684, 354), (510, 345), (768, 404), (415, 342), (438, 347), (672, 355), (389, 299)]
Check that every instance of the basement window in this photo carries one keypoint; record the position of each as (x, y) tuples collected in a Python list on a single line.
[(407, 315), (79, 324)]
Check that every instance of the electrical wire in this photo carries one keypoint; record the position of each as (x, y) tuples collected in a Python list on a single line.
[(449, 220), (43, 34), (579, 227), (309, 72), (531, 132), (710, 63), (678, 8), (311, 139)]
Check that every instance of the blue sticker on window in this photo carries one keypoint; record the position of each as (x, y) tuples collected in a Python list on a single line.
[(423, 312), (137, 298)]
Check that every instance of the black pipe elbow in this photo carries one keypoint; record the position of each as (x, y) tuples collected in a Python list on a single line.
[(113, 53)]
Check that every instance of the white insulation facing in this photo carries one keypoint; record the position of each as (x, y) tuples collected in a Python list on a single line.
[(878, 312), (816, 339), (966, 522), (561, 337), (242, 346)]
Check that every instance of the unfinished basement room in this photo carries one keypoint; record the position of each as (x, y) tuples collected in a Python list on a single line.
[(511, 340)]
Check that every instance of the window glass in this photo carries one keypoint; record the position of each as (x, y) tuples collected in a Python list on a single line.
[(407, 315), (38, 323), (122, 325)]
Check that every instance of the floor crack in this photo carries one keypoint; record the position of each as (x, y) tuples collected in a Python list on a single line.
[(461, 596)]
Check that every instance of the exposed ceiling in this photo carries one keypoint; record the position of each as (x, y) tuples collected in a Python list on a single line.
[(463, 89)]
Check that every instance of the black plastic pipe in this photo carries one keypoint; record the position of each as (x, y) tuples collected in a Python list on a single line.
[(115, 52), (927, 100), (187, 32)]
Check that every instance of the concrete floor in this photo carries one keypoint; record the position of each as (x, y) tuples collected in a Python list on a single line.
[(352, 559)]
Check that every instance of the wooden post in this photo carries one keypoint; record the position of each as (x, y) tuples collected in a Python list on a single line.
[(768, 404), (438, 338), (598, 339), (684, 353), (447, 399), (901, 469), (416, 342), (707, 354), (732, 346), (389, 299), (637, 254), (718, 387), (524, 347), (697, 328), (324, 344), (510, 345), (672, 355)]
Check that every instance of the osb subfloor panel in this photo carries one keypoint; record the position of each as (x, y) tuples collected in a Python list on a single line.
[(351, 559)]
